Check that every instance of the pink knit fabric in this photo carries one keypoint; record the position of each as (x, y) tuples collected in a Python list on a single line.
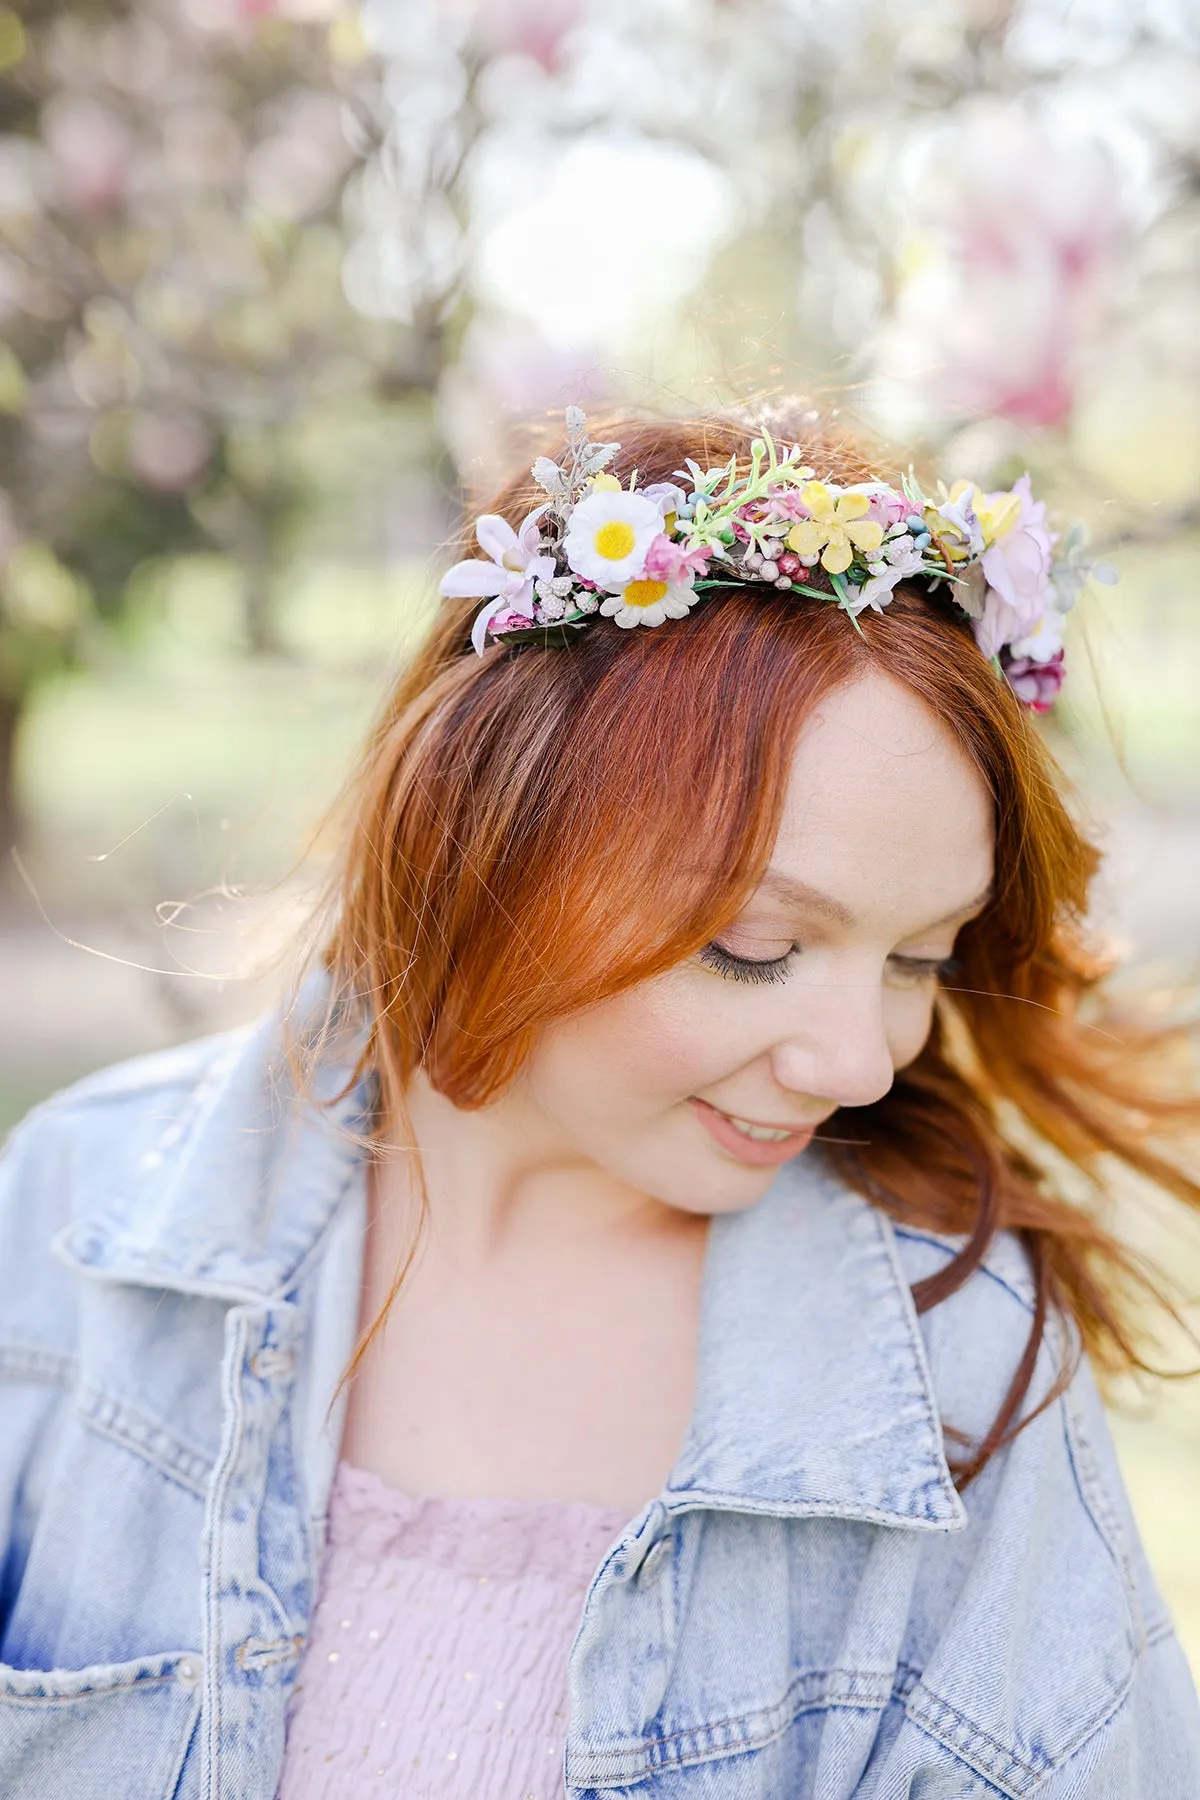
[(437, 1660)]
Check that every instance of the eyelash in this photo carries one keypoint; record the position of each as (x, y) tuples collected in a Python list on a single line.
[(745, 968), (763, 974)]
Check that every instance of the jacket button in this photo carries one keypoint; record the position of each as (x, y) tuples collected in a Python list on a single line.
[(187, 1674), (269, 1363)]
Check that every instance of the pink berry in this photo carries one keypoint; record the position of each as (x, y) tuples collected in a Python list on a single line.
[(789, 563)]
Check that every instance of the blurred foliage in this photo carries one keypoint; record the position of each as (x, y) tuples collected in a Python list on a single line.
[(979, 217), (174, 320), (261, 259)]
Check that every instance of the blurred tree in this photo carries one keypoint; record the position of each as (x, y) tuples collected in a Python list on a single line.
[(980, 214), (171, 181)]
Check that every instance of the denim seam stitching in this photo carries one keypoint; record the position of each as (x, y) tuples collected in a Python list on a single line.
[(983, 1739), (20, 1362), (1036, 1777), (939, 1243), (1106, 1523), (936, 1443), (107, 1687), (145, 1437), (234, 1412), (829, 1698)]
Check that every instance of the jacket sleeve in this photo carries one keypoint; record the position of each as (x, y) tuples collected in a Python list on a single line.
[(1045, 1656), (38, 1327), (1149, 1747)]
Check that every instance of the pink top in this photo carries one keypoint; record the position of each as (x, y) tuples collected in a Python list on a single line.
[(437, 1659)]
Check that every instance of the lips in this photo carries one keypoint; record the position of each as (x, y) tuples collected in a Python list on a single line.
[(750, 1141)]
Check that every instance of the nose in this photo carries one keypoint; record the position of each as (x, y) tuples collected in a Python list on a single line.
[(839, 1051)]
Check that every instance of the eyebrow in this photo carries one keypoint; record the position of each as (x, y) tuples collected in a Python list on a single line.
[(798, 893)]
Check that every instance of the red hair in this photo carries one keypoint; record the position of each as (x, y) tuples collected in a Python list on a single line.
[(537, 829)]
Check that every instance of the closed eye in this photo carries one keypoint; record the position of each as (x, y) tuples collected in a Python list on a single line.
[(916, 969), (911, 970), (747, 968)]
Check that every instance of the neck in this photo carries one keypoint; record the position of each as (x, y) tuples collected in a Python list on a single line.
[(501, 1183)]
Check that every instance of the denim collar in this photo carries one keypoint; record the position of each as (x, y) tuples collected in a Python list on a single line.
[(813, 1393)]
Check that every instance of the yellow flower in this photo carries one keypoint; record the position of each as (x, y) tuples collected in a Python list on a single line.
[(997, 516), (604, 484), (837, 528)]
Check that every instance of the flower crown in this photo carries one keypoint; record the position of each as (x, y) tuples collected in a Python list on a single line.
[(638, 556)]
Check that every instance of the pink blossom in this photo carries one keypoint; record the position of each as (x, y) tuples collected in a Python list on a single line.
[(92, 150), (167, 453), (1030, 223), (507, 621), (534, 28), (785, 503), (1036, 683), (1017, 570), (668, 561), (887, 507)]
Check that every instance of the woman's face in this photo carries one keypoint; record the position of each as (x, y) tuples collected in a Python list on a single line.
[(694, 1086)]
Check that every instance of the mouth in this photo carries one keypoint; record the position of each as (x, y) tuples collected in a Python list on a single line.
[(750, 1141)]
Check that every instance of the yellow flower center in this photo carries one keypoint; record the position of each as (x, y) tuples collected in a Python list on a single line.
[(614, 540), (644, 593)]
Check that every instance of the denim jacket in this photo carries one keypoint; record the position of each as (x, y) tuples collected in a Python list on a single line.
[(807, 1610)]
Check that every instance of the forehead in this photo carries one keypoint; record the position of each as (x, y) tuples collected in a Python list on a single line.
[(885, 811)]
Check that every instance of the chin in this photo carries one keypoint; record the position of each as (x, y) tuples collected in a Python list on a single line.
[(714, 1187)]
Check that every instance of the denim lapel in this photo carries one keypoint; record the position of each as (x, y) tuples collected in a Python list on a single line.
[(243, 1181), (813, 1390)]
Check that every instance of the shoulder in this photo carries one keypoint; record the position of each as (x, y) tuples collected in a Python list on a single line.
[(116, 1111), (1050, 1571), (975, 1338), (78, 1154)]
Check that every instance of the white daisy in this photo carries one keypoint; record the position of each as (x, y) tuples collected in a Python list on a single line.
[(609, 535), (649, 602)]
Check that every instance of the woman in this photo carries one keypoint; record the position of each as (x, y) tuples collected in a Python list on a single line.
[(628, 1330)]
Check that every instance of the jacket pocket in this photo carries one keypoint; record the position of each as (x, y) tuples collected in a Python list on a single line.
[(116, 1731)]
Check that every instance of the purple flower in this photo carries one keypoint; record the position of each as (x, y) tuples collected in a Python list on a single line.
[(1017, 569), (1036, 683)]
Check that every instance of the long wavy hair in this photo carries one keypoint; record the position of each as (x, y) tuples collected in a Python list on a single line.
[(534, 830)]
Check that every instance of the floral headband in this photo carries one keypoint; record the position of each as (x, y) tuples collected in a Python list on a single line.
[(638, 556)]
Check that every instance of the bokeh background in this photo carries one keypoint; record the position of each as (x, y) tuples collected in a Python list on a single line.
[(277, 276)]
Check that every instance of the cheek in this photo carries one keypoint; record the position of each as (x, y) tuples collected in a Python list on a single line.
[(908, 1019), (638, 1052)]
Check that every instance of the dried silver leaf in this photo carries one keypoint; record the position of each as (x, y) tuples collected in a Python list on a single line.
[(599, 455), (549, 476), (576, 420)]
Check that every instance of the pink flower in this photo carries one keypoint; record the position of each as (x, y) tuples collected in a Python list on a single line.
[(887, 507), (1017, 570), (1026, 223), (668, 561), (507, 621), (785, 503), (1036, 683)]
